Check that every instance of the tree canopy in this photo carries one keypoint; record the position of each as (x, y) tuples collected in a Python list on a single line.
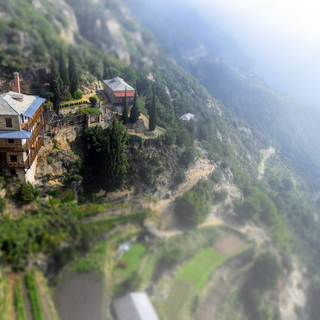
[(106, 164)]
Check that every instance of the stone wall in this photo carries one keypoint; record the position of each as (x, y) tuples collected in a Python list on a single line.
[(15, 122)]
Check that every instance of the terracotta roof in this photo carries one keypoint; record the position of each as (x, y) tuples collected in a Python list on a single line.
[(122, 94)]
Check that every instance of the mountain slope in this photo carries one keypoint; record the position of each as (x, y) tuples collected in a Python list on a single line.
[(285, 120)]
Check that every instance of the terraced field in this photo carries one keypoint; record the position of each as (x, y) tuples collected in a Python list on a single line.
[(192, 277)]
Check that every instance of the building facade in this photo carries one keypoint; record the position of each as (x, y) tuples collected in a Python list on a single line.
[(116, 89), (21, 132)]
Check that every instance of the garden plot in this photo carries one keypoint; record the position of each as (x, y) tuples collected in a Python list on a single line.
[(78, 297), (229, 244)]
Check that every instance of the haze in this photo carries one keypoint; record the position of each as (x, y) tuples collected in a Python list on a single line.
[(282, 37)]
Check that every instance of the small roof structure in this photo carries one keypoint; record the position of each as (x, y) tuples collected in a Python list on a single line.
[(135, 306), (12, 103), (22, 134), (118, 84), (187, 117), (125, 247)]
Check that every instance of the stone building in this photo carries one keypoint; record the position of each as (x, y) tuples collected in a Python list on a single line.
[(21, 132), (116, 89)]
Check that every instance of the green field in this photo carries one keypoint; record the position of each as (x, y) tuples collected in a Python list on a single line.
[(178, 296), (133, 258), (198, 270)]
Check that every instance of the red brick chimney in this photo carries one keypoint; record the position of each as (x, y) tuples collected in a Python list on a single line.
[(16, 83)]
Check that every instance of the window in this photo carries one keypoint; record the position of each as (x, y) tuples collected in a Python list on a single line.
[(9, 122), (13, 158), (13, 172), (10, 140)]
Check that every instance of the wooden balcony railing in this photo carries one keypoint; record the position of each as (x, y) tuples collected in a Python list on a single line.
[(28, 125), (25, 164)]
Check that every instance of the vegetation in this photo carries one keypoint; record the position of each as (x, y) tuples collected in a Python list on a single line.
[(73, 76), (106, 164), (153, 114), (125, 110), (262, 276), (18, 301), (93, 101), (135, 112), (194, 205), (63, 68), (34, 297), (27, 192)]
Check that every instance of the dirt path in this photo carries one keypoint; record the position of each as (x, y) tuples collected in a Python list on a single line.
[(164, 208), (293, 178), (266, 154), (11, 279)]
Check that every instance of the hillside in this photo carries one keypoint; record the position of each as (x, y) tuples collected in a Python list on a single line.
[(194, 185)]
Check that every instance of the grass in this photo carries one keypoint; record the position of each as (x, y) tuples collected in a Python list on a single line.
[(148, 268), (34, 297), (133, 258), (178, 296), (198, 270), (18, 301), (94, 262), (3, 295)]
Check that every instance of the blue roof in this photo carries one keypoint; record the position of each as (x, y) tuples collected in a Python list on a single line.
[(22, 134), (34, 107)]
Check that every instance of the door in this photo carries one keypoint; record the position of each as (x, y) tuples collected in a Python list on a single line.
[(3, 157)]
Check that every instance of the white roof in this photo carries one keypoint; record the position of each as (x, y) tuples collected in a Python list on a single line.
[(28, 106), (187, 116), (135, 306), (118, 84)]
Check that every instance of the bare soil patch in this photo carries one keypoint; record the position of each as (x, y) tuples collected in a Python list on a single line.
[(229, 244), (78, 297)]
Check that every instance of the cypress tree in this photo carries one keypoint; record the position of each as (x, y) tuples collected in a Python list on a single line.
[(63, 68), (135, 112), (153, 113), (54, 73), (73, 73), (106, 74), (125, 109)]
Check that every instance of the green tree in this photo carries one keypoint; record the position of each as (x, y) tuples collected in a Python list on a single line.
[(63, 68), (54, 73), (106, 73), (73, 73), (135, 112), (153, 113), (130, 76), (106, 164), (27, 192), (125, 109), (93, 101), (60, 94)]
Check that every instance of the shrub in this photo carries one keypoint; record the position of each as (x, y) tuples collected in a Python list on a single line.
[(27, 192), (169, 138), (77, 95), (93, 101), (76, 177), (160, 170), (188, 156), (154, 161), (55, 143), (49, 160), (180, 177), (216, 176)]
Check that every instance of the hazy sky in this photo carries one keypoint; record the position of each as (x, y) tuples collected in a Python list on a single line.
[(281, 36)]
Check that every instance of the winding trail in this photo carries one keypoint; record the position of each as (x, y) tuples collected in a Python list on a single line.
[(266, 154)]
